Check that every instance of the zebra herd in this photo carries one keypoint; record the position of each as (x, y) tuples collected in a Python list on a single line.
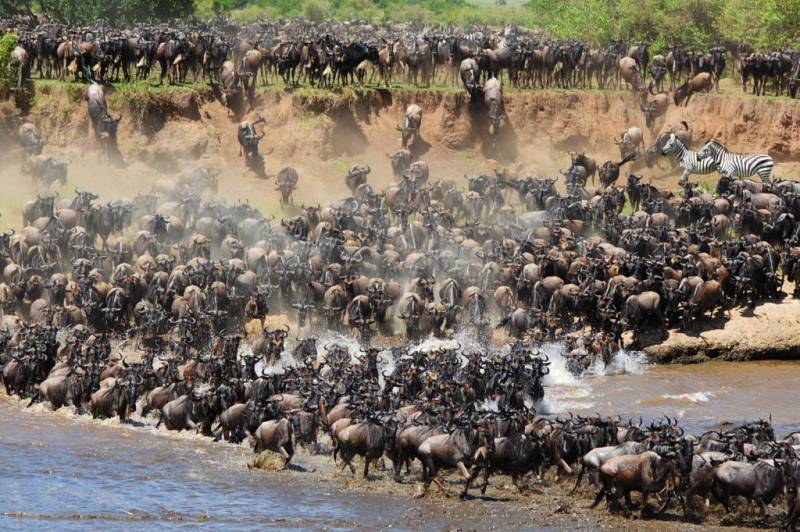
[(715, 157)]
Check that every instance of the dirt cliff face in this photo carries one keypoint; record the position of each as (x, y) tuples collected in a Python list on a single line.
[(321, 135)]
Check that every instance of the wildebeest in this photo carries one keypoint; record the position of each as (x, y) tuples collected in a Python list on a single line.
[(630, 72), (470, 74), (630, 142), (105, 126), (701, 82), (493, 97), (412, 121), (249, 139), (609, 172), (400, 161), (366, 439), (31, 139), (759, 482), (277, 436), (286, 182), (46, 171), (458, 449), (646, 473), (588, 164), (357, 176), (654, 108)]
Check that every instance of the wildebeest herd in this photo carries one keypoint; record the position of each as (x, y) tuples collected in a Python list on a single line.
[(168, 304), (235, 55), (144, 303)]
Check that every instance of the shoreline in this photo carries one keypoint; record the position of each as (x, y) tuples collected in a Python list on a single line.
[(547, 505), (766, 332)]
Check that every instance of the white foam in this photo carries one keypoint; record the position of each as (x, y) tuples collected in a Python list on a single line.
[(696, 397), (622, 363)]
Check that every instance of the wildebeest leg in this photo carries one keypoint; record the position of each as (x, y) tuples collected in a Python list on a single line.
[(467, 475), (626, 507), (428, 475), (580, 476), (515, 480), (34, 397), (439, 483), (666, 503), (397, 465), (486, 473), (349, 461), (644, 502), (286, 456), (762, 509), (366, 466), (600, 494)]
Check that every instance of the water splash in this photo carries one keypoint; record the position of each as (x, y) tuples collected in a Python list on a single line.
[(565, 392), (622, 363)]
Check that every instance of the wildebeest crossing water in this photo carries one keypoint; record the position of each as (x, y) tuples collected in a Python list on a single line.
[(68, 472), (409, 321)]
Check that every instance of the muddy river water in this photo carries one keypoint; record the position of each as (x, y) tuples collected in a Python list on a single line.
[(60, 470)]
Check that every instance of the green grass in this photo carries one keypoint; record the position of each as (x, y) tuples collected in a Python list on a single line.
[(136, 92)]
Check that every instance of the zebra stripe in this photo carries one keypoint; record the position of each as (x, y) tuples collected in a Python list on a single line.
[(688, 159), (737, 164)]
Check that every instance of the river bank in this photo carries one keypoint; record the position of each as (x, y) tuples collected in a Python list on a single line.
[(765, 332), (71, 472)]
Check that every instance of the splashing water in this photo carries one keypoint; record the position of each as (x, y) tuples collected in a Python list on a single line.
[(565, 392), (622, 363)]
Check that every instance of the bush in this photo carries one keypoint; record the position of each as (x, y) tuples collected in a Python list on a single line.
[(317, 10), (697, 24), (254, 13), (8, 71)]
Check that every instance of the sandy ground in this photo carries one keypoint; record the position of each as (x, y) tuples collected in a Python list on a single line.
[(322, 135), (768, 331)]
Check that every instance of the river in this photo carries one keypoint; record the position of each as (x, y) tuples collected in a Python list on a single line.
[(60, 470)]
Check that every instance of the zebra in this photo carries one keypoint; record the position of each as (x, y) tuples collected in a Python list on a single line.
[(687, 159), (737, 164)]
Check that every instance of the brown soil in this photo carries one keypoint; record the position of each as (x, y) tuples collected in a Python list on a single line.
[(322, 135), (768, 331)]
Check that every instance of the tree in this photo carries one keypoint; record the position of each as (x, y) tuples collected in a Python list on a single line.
[(15, 7), (120, 12)]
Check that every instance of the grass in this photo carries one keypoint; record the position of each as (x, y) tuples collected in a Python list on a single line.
[(135, 91)]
